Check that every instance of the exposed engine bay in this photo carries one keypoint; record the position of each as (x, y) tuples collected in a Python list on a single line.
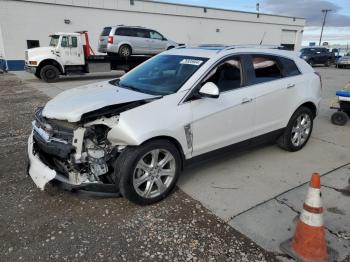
[(80, 152)]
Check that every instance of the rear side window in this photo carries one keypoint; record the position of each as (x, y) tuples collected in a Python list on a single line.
[(266, 68), (289, 67), (106, 31), (124, 31)]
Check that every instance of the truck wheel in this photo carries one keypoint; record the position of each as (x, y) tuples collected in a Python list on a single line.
[(298, 130), (125, 51), (37, 74), (49, 73), (148, 173), (328, 63), (339, 118)]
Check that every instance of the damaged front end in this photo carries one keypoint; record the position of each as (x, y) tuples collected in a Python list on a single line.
[(77, 155)]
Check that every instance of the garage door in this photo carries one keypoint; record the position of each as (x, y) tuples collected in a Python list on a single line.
[(288, 38)]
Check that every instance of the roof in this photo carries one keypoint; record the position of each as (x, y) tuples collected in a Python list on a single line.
[(66, 33), (214, 51)]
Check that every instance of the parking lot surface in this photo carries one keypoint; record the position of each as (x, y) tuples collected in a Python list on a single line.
[(61, 226), (260, 191)]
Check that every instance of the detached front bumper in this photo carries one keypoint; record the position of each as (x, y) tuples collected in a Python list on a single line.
[(42, 174), (38, 171)]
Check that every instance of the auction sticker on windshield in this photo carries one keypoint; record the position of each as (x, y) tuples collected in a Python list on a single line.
[(191, 62)]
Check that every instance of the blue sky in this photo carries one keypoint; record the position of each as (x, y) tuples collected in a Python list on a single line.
[(337, 30)]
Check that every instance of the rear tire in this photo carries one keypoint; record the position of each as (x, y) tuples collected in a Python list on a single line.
[(298, 130), (125, 51), (136, 164), (49, 73), (339, 118), (328, 63)]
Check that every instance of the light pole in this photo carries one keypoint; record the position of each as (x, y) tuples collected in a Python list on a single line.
[(325, 11)]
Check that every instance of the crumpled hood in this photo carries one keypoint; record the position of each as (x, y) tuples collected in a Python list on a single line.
[(70, 105)]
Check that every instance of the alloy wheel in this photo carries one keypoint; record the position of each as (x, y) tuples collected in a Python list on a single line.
[(154, 173), (301, 130)]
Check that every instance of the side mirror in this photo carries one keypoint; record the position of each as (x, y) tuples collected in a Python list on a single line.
[(210, 90)]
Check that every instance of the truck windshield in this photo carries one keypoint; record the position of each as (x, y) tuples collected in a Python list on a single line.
[(162, 75), (54, 40)]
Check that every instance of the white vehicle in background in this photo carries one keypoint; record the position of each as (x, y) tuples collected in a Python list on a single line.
[(135, 133), (127, 40), (70, 54)]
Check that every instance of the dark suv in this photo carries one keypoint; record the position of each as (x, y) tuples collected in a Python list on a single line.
[(317, 55)]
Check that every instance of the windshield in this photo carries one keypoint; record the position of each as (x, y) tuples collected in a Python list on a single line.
[(54, 40), (162, 75)]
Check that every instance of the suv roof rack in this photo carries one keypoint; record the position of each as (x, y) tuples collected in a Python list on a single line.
[(252, 46)]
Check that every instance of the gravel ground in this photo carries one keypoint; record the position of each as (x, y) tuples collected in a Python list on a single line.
[(57, 225)]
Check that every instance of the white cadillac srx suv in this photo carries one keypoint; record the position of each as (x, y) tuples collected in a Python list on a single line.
[(135, 133)]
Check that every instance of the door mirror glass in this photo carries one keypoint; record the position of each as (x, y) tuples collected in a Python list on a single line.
[(209, 89)]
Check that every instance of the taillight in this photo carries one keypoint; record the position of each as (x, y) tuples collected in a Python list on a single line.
[(319, 76), (110, 40)]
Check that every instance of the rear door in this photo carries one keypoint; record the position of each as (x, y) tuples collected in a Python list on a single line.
[(275, 82)]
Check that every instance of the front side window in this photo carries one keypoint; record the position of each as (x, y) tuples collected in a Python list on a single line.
[(162, 75), (266, 68), (54, 40), (156, 35), (227, 75), (64, 41), (74, 41)]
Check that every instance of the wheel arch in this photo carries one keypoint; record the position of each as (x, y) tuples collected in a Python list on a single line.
[(310, 105), (127, 44), (50, 62), (172, 140)]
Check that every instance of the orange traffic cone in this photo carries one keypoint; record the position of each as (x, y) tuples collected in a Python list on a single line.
[(309, 242)]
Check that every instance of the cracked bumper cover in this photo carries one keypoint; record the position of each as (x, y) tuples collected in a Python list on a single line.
[(38, 171), (41, 175)]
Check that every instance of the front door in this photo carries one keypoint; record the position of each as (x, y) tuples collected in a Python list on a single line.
[(157, 42), (71, 52), (228, 119)]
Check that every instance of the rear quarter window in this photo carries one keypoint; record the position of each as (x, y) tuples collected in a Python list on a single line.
[(106, 31), (289, 67)]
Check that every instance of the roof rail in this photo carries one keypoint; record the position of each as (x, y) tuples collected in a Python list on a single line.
[(251, 46)]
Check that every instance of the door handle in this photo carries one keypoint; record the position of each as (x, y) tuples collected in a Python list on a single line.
[(290, 85), (247, 100)]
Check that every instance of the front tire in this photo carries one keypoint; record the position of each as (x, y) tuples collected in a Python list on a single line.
[(49, 73), (298, 130), (148, 173)]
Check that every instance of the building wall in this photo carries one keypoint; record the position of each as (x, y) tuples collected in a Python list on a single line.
[(35, 20)]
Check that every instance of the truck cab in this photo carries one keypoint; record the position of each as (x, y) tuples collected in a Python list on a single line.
[(64, 51)]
